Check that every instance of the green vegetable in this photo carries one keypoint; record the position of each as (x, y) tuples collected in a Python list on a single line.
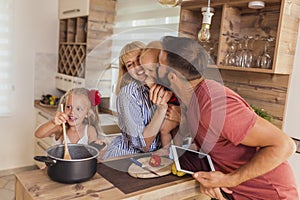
[(262, 113)]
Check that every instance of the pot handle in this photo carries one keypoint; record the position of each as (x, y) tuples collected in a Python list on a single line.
[(47, 160)]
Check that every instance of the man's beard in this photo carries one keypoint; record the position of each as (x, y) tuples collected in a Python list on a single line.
[(164, 81)]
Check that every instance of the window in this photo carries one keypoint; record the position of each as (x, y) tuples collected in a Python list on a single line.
[(6, 85), (141, 20)]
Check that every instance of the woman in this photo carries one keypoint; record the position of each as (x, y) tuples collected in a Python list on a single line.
[(139, 119)]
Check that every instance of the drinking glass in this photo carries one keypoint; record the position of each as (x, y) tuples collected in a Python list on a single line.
[(209, 47), (239, 53), (247, 54), (231, 54), (264, 61)]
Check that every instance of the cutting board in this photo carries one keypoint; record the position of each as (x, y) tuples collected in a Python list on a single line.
[(162, 170)]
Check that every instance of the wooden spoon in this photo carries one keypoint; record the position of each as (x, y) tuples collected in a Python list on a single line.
[(67, 155)]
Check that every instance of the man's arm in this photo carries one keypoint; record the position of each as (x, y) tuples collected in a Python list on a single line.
[(275, 147)]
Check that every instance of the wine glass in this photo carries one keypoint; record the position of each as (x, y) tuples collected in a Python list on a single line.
[(230, 57), (239, 53), (211, 47), (264, 61), (246, 55)]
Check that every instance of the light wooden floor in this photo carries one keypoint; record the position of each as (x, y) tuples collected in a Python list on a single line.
[(7, 187)]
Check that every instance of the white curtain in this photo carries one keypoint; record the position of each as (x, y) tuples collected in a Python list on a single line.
[(6, 82), (142, 20)]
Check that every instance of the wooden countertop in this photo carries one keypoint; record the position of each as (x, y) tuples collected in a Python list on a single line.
[(52, 110), (49, 110), (36, 184)]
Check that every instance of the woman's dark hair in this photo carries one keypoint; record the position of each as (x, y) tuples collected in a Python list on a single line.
[(186, 56)]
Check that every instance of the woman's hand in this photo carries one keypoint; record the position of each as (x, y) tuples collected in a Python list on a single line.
[(159, 96)]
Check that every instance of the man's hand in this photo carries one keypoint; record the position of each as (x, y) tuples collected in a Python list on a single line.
[(211, 183)]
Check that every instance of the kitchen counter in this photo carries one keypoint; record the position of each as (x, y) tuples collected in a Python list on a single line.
[(52, 110), (49, 110), (36, 184)]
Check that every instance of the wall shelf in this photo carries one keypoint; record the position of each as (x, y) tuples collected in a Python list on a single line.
[(233, 21)]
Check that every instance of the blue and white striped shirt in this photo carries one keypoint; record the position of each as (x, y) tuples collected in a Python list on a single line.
[(135, 111)]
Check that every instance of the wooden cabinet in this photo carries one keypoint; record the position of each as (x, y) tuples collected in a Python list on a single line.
[(72, 46), (233, 21), (73, 8), (83, 25), (42, 144)]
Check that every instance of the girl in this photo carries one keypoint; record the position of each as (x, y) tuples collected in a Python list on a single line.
[(80, 115), (139, 119), (149, 62)]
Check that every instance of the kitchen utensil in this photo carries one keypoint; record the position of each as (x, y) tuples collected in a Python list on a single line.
[(163, 169), (81, 167), (143, 166), (66, 154)]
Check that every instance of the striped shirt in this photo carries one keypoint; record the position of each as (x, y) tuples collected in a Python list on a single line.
[(135, 111)]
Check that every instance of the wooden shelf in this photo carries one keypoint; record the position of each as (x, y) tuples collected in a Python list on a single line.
[(265, 88), (72, 59), (233, 20), (73, 43), (235, 68)]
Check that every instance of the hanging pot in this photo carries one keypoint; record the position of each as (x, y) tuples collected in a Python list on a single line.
[(81, 167)]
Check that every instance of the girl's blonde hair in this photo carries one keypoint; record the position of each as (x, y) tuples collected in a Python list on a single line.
[(92, 118), (124, 78), (153, 48)]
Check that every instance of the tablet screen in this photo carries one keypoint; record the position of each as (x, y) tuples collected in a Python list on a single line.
[(192, 161)]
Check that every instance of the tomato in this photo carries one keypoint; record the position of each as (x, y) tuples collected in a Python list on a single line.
[(154, 161)]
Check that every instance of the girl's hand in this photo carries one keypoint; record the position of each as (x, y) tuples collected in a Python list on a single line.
[(59, 118), (101, 145), (100, 141), (173, 113)]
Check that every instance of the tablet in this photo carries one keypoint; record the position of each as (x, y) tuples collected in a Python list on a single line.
[(190, 161)]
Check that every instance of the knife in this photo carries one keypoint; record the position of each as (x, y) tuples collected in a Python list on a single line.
[(143, 166)]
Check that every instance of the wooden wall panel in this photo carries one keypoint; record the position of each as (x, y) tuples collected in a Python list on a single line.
[(267, 91)]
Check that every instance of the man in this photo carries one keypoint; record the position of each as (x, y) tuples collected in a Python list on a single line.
[(248, 152)]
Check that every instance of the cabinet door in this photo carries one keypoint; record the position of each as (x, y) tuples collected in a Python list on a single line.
[(73, 8), (42, 144)]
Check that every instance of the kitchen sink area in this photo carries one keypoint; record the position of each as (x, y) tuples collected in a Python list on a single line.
[(107, 119), (109, 124)]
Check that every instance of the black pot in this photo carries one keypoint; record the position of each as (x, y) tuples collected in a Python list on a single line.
[(81, 167)]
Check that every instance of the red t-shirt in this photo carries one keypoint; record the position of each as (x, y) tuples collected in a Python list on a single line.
[(219, 120)]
